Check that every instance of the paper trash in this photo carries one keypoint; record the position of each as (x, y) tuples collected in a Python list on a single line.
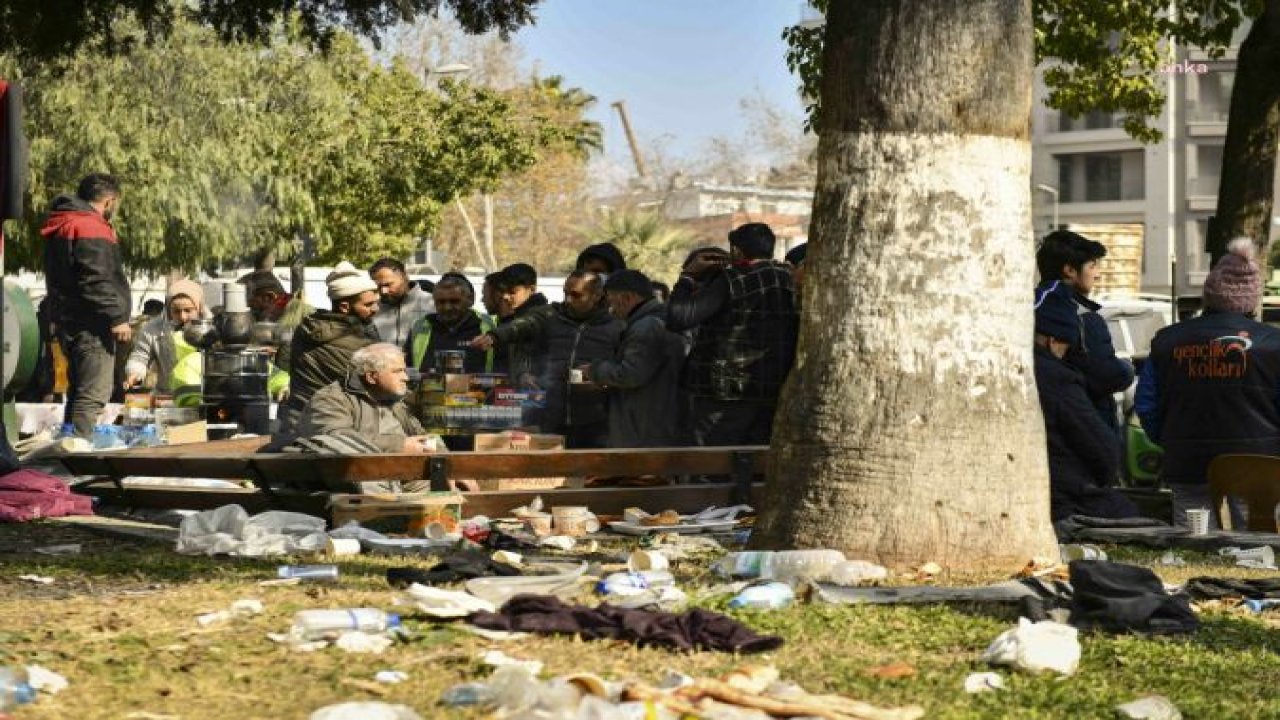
[(1033, 647)]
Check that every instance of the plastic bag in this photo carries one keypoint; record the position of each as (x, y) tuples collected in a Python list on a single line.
[(1033, 647), (365, 711), (229, 530)]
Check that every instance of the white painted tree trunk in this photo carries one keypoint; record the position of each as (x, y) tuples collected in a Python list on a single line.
[(909, 430)]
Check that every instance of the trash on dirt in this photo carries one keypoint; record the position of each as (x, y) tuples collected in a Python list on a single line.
[(37, 579), (892, 671), (1042, 566), (509, 558), (239, 608), (983, 682), (390, 677), (669, 598), (357, 641), (45, 681), (496, 635), (928, 570), (497, 658), (1171, 559), (445, 604), (365, 711), (857, 572), (1259, 605), (1152, 707), (1032, 647), (769, 596), (229, 530), (1081, 552), (353, 530), (56, 550), (561, 578), (1259, 558)]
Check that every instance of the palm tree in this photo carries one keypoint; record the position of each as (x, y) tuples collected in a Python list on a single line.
[(586, 136)]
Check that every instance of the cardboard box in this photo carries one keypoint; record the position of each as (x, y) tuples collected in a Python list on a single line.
[(514, 440), (457, 383), (189, 433), (416, 509)]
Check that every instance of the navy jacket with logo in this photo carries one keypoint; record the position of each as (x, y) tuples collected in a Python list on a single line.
[(1211, 386)]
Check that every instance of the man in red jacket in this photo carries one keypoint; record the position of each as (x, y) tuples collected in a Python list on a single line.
[(88, 292)]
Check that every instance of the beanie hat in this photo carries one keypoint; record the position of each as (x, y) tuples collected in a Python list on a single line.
[(796, 255), (1057, 315), (186, 288), (1234, 284), (632, 281), (346, 281), (261, 280)]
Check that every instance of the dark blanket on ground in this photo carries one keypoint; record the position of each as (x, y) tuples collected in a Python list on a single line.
[(692, 630), (1153, 533), (1126, 598), (1208, 588)]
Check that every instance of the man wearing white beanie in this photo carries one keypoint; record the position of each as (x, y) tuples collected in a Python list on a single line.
[(325, 341)]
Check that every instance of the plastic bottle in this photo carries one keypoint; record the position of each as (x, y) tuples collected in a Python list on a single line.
[(769, 596), (67, 430), (628, 581), (147, 437), (308, 572), (14, 688), (471, 693), (313, 624), (785, 565), (105, 437), (854, 572)]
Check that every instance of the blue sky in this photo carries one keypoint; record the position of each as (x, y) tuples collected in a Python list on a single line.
[(682, 66)]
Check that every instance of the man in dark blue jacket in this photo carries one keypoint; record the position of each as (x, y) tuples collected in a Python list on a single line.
[(1084, 458), (89, 294), (1211, 384), (1072, 260)]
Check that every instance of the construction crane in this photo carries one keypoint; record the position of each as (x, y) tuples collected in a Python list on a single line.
[(621, 107)]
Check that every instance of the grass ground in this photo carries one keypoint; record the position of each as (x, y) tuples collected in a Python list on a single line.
[(119, 623)]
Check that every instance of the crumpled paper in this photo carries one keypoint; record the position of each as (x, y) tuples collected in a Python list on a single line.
[(1032, 647), (45, 680), (446, 603), (229, 530)]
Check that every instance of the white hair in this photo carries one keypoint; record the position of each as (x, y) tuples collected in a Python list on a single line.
[(374, 358)]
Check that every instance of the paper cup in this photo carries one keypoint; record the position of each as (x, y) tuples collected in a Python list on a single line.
[(339, 547), (436, 531), (1198, 521), (559, 510), (642, 560), (538, 523)]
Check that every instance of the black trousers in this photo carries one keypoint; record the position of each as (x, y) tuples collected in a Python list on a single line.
[(91, 366), (732, 422)]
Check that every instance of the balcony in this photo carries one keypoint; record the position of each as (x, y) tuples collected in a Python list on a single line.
[(1202, 194)]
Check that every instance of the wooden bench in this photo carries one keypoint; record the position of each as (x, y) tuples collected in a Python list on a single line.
[(302, 482)]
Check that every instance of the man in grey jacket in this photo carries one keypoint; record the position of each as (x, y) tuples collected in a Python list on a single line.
[(404, 302), (643, 378)]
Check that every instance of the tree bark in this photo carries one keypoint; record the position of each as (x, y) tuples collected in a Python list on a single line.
[(264, 259), (304, 248), (1247, 184), (471, 232), (909, 429)]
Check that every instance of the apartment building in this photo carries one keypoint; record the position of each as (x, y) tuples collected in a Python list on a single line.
[(1087, 171)]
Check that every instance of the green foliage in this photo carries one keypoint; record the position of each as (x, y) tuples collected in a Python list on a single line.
[(43, 30), (227, 149), (646, 240), (1102, 55)]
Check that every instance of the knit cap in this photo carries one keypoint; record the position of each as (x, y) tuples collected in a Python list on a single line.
[(1235, 283)]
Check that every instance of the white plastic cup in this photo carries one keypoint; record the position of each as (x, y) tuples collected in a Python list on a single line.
[(575, 376), (339, 547), (436, 531), (641, 560), (1198, 521)]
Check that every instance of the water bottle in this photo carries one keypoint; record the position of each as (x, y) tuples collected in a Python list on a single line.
[(308, 572), (147, 437), (105, 437), (66, 431), (315, 624), (769, 596), (625, 582), (14, 688), (785, 565)]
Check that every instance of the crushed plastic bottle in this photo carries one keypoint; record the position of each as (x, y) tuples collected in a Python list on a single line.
[(784, 565), (14, 688), (769, 596), (468, 694), (106, 437), (855, 572), (316, 624), (147, 437), (308, 572)]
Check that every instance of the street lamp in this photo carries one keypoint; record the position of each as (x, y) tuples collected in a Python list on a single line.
[(1054, 192)]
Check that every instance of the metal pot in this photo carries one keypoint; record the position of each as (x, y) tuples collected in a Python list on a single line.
[(199, 333)]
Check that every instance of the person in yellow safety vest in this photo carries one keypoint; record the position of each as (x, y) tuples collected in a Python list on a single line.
[(160, 341), (451, 327)]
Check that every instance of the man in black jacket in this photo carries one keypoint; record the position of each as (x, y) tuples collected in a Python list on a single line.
[(518, 290), (1084, 457), (88, 292), (746, 320), (1072, 260), (1211, 385), (565, 335), (603, 259), (643, 377)]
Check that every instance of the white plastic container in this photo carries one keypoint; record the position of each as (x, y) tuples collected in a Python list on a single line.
[(631, 581), (769, 596), (314, 624)]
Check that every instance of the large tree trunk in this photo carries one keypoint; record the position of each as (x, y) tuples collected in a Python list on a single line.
[(909, 430), (1249, 153)]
